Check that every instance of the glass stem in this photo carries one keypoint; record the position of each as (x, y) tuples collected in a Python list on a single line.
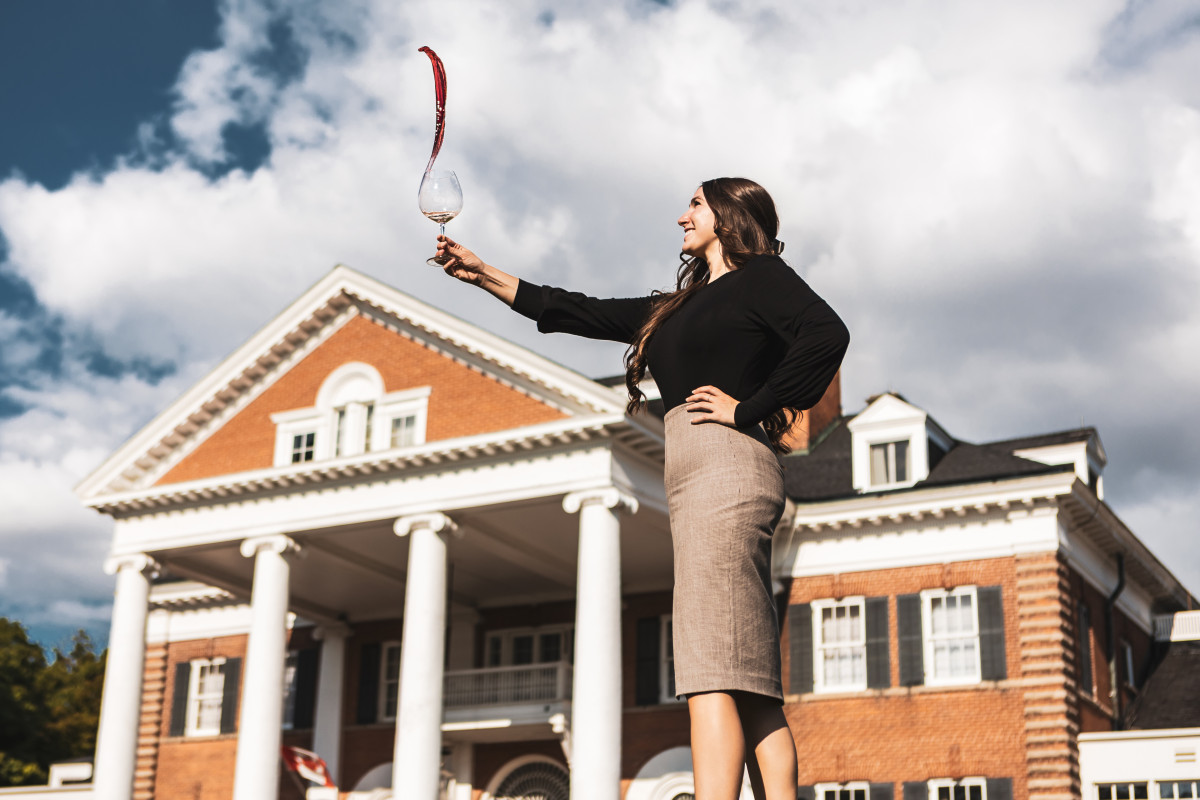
[(443, 229)]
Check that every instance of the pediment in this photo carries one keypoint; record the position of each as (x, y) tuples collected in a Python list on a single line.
[(475, 383)]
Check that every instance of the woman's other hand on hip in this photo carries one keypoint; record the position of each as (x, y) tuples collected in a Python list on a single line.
[(710, 404)]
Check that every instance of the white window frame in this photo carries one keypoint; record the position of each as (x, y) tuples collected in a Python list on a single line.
[(397, 405), (506, 636), (820, 647), (666, 660), (951, 784), (194, 698), (930, 641), (1175, 792), (1132, 788), (821, 790), (890, 449), (387, 711)]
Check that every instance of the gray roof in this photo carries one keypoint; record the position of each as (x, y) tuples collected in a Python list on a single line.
[(1170, 698), (823, 472)]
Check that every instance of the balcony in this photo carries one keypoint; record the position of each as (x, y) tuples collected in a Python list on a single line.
[(536, 684)]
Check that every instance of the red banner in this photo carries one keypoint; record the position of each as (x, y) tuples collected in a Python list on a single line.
[(307, 765)]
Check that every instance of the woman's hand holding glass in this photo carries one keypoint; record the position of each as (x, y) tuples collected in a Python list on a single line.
[(459, 262)]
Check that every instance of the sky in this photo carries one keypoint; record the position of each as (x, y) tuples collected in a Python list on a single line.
[(1002, 200)]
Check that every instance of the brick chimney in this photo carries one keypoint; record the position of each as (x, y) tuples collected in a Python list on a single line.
[(814, 421)]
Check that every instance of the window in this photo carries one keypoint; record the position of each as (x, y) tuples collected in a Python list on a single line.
[(303, 447), (859, 790), (205, 693), (404, 431), (289, 689), (840, 650), (1178, 790), (523, 646), (889, 463), (667, 648), (965, 789), (1085, 649), (1130, 674), (389, 680), (952, 637), (1122, 791)]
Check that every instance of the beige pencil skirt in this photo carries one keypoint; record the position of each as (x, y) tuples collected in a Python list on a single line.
[(725, 490)]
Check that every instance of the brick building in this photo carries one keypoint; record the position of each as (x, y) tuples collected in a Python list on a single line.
[(443, 563)]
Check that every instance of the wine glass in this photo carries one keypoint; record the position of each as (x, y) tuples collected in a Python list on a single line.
[(440, 199)]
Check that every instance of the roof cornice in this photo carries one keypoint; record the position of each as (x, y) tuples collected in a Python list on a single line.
[(329, 299), (446, 453)]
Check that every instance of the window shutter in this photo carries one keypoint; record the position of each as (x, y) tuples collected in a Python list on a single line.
[(800, 641), (991, 634), (879, 668), (916, 790), (999, 789), (306, 688), (912, 648), (883, 791), (806, 792), (649, 649), (368, 684), (179, 697), (229, 695)]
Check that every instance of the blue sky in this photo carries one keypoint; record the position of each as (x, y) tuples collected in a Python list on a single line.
[(1003, 200)]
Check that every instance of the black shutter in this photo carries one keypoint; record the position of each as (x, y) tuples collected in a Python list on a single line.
[(229, 695), (183, 676), (800, 642), (805, 793), (368, 684), (912, 647), (306, 688), (648, 688), (884, 791), (999, 789), (879, 668), (916, 790), (991, 634)]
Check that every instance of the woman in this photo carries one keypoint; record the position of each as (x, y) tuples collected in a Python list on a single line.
[(739, 348)]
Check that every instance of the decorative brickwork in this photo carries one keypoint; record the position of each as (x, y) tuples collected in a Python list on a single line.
[(154, 687), (1048, 672), (463, 400)]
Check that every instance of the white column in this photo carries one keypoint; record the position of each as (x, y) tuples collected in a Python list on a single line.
[(121, 700), (261, 720), (596, 699), (416, 766), (327, 721)]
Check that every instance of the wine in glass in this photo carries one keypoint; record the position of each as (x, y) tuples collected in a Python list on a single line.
[(440, 199)]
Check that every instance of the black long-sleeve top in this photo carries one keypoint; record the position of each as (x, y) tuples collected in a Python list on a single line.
[(758, 333)]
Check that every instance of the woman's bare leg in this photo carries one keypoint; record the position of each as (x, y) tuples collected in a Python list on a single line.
[(770, 749), (718, 746)]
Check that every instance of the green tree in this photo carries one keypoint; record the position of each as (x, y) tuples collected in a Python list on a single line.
[(22, 712), (48, 711)]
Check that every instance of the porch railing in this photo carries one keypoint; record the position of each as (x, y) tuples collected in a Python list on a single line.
[(494, 686)]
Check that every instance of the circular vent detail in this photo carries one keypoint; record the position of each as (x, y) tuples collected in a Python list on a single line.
[(537, 781)]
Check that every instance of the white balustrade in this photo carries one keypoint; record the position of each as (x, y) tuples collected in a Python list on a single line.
[(532, 683)]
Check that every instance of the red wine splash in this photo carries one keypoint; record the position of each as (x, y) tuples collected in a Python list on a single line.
[(439, 88)]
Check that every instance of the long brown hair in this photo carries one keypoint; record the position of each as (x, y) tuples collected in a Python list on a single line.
[(746, 224)]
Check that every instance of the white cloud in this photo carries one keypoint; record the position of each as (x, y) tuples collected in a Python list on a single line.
[(1002, 199)]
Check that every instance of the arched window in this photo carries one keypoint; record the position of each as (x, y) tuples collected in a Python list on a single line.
[(352, 416), (531, 778)]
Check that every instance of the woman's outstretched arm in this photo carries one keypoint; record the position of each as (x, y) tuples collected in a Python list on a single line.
[(463, 264)]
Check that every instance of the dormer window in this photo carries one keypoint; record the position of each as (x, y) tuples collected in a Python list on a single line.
[(889, 463), (303, 447), (352, 416), (894, 445)]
